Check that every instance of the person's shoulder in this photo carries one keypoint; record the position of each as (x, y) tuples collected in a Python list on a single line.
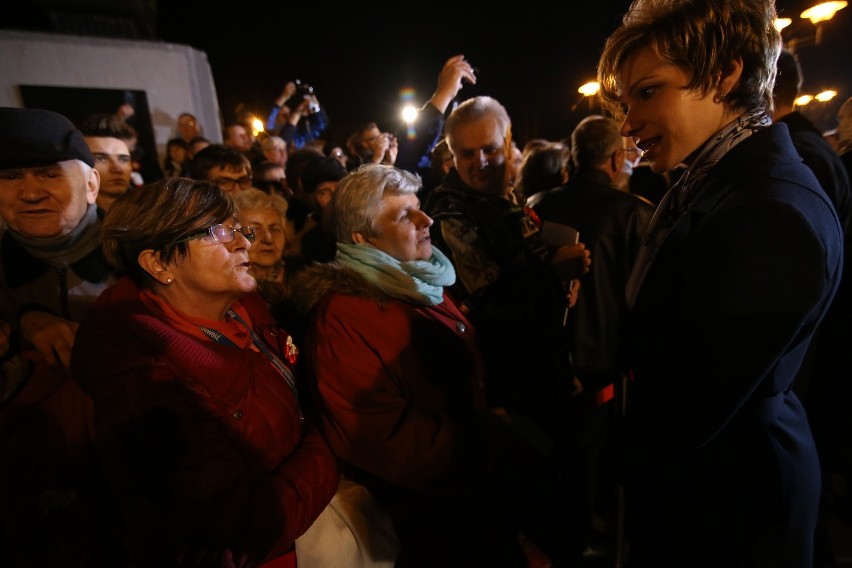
[(546, 196), (644, 203), (631, 200), (439, 197)]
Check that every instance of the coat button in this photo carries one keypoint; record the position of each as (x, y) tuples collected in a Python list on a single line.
[(461, 327), (238, 414)]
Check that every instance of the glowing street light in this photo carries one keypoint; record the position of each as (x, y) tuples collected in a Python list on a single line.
[(781, 23), (256, 126), (822, 97), (817, 15), (825, 96), (409, 113), (823, 12), (589, 89)]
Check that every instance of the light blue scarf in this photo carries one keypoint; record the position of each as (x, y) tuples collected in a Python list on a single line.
[(418, 281)]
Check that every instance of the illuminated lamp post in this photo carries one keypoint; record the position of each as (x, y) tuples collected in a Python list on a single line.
[(822, 97), (589, 89), (818, 15)]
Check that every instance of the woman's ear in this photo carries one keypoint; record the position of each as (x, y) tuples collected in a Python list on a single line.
[(152, 264), (730, 77), (358, 238)]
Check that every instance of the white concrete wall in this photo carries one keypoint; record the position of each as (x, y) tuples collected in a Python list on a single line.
[(176, 78)]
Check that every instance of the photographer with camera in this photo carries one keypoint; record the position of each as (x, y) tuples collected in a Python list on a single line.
[(373, 146), (413, 153), (296, 115)]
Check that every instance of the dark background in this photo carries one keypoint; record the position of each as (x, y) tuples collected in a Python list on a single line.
[(531, 55)]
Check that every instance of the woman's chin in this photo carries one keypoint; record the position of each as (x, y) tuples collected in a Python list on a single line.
[(424, 251), (247, 284)]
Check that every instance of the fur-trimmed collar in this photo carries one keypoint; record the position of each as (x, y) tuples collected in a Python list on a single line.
[(317, 280)]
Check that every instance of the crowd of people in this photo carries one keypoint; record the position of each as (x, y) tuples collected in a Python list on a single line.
[(444, 349)]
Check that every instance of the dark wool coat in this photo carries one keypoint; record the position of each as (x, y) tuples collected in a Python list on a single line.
[(54, 510), (722, 466)]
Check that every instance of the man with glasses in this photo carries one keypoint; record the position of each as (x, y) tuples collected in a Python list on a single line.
[(611, 223), (632, 157), (223, 166), (507, 284)]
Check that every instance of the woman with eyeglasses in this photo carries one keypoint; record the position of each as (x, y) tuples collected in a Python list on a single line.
[(198, 420)]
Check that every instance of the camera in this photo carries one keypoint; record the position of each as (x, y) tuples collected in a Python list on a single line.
[(303, 91)]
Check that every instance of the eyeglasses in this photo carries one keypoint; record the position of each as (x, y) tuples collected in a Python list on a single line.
[(222, 233), (635, 152), (228, 184)]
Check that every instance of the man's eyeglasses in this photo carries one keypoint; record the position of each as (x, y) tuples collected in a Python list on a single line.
[(228, 184), (222, 233), (635, 154)]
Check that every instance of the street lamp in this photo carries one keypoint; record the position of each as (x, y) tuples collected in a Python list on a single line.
[(818, 15), (822, 13), (589, 89), (822, 97), (409, 111), (781, 23), (256, 126)]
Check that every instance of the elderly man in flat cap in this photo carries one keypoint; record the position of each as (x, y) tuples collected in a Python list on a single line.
[(52, 502), (51, 265)]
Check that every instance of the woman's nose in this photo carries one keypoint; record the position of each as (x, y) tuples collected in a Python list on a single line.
[(424, 220)]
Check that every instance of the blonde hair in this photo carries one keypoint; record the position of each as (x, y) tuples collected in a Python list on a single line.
[(253, 198)]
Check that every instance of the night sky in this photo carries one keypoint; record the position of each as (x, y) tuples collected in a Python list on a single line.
[(359, 57)]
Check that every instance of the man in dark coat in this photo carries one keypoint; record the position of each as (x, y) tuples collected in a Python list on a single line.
[(52, 505), (611, 223), (517, 303)]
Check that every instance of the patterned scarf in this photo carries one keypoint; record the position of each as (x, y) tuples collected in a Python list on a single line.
[(675, 204), (418, 281)]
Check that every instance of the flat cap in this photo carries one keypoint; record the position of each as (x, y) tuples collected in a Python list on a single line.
[(37, 137)]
